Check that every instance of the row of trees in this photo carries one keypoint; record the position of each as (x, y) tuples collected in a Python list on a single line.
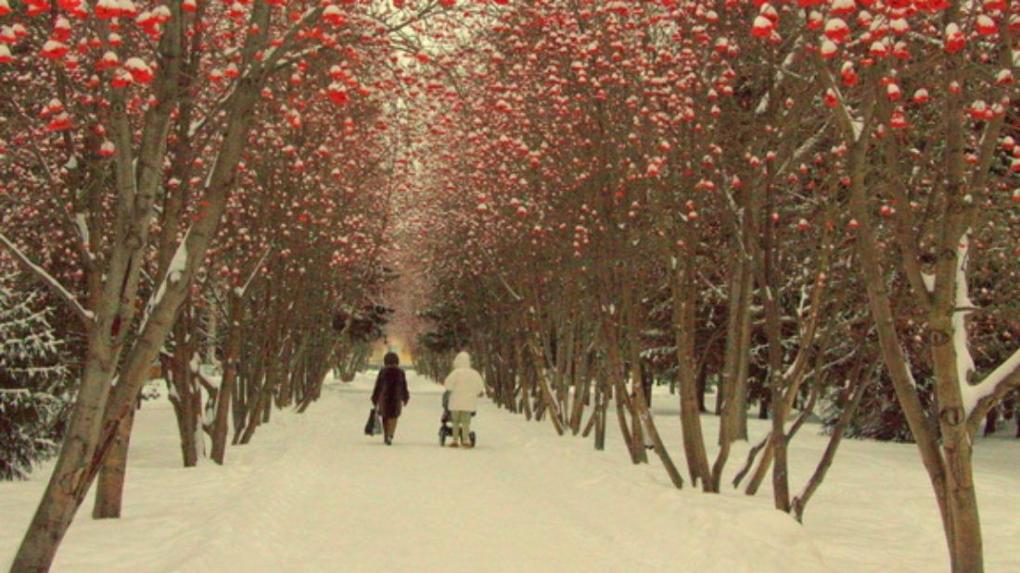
[(811, 205), (196, 183)]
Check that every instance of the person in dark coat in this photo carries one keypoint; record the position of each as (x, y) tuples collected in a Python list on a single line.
[(390, 394)]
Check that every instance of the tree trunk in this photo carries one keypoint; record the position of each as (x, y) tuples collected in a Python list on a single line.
[(110, 488), (690, 414), (593, 417), (742, 357), (185, 396), (226, 394), (991, 418), (892, 350), (257, 412), (548, 400), (702, 388), (86, 445), (644, 416), (967, 551), (114, 314), (851, 401), (60, 501), (239, 406), (743, 371), (600, 420), (623, 402), (619, 396), (581, 397), (752, 455), (731, 401), (776, 379), (762, 469), (630, 348), (523, 381)]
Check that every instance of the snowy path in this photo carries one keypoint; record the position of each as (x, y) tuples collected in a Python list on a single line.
[(311, 493), (347, 502)]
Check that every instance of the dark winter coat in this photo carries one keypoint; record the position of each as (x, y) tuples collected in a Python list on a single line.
[(390, 393)]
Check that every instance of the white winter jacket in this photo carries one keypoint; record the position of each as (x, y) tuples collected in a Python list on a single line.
[(464, 385)]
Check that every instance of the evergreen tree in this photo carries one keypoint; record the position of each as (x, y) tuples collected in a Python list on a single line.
[(34, 381)]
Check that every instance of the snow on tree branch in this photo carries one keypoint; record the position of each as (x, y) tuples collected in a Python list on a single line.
[(979, 398), (49, 280)]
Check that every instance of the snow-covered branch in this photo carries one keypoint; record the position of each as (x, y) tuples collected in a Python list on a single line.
[(961, 343), (780, 75), (197, 126), (805, 148), (173, 275), (275, 54), (240, 291), (851, 125), (981, 397), (49, 280)]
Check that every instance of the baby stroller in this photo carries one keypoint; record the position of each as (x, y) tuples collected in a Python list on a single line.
[(445, 430)]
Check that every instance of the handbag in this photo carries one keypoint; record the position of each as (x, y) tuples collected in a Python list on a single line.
[(377, 428), (372, 423)]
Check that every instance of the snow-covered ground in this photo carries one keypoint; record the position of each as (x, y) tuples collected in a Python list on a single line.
[(312, 493)]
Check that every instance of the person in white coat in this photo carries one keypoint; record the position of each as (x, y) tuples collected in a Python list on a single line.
[(465, 387)]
